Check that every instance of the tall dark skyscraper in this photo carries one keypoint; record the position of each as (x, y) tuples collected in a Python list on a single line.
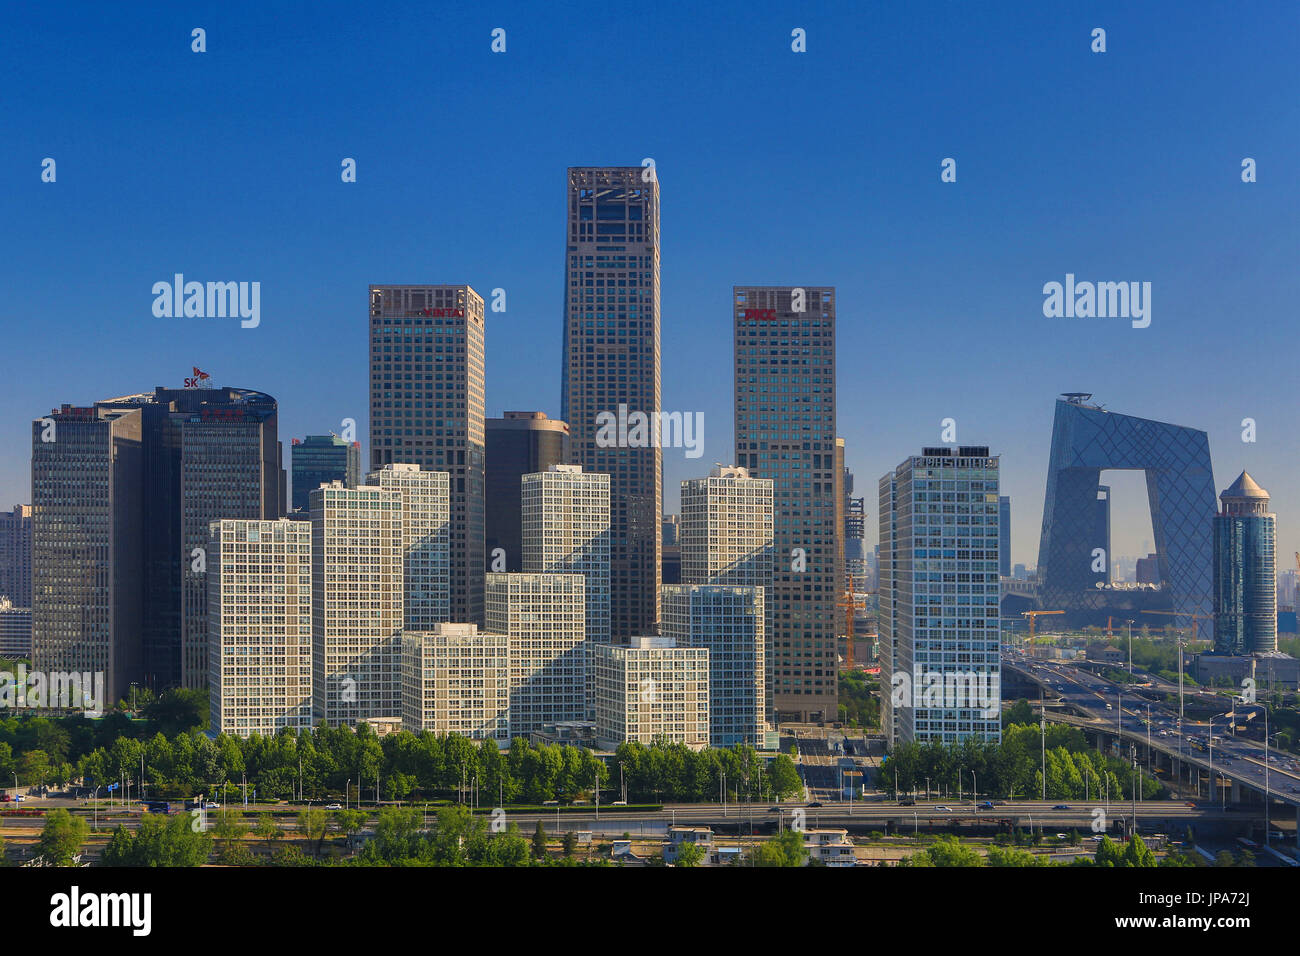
[(322, 459), (87, 523), (207, 454), (518, 444), (1245, 571), (611, 359), (427, 407), (785, 430)]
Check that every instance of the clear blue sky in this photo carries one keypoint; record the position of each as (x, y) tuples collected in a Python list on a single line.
[(775, 167)]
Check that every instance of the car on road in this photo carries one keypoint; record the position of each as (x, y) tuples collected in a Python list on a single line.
[(907, 802), (815, 803), (773, 809), (211, 805), (333, 806), (1061, 806), (619, 803), (986, 805), (943, 810)]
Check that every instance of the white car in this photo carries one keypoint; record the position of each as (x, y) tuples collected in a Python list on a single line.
[(333, 806), (943, 810), (210, 805)]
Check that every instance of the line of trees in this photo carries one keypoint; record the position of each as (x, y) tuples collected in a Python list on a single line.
[(322, 762), (1013, 769)]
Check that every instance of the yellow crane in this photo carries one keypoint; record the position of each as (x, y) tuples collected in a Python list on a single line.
[(1193, 616), (850, 603), (1033, 618)]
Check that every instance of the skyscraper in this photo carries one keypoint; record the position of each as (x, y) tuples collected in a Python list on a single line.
[(545, 619), (319, 460), (16, 555), (427, 407), (729, 622), (518, 444), (785, 430), (611, 359), (356, 593), (1245, 563), (259, 613), (939, 526), (207, 454), (566, 531), (87, 544), (426, 558), (1180, 490)]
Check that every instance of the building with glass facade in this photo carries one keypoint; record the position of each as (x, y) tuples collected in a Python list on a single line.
[(784, 343), (427, 407), (16, 555), (1245, 571), (941, 664), (322, 459), (518, 444), (611, 361), (87, 544), (729, 622), (1087, 439)]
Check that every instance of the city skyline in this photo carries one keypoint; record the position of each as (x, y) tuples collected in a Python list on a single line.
[(958, 264)]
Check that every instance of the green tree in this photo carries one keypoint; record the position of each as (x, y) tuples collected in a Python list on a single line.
[(539, 842), (267, 828), (229, 829), (787, 850), (784, 777), (689, 854), (62, 837), (159, 841), (312, 825), (570, 842)]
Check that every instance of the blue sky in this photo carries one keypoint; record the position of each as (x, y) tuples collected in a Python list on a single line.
[(775, 167)]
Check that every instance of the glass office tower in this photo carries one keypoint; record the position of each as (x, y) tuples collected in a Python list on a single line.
[(1245, 566)]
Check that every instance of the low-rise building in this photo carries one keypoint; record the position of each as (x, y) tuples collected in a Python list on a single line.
[(651, 690), (456, 680)]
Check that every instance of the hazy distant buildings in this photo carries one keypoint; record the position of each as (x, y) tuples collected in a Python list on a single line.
[(566, 531), (322, 459), (1004, 543), (456, 680), (670, 561), (785, 430), (259, 576), (87, 544), (15, 630), (651, 690), (16, 555), (427, 407), (939, 595), (1245, 569), (729, 622), (518, 444), (426, 539), (544, 617), (611, 359), (1148, 570), (357, 609)]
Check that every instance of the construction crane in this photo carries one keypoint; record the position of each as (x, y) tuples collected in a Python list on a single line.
[(1195, 617), (850, 603), (1033, 617)]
